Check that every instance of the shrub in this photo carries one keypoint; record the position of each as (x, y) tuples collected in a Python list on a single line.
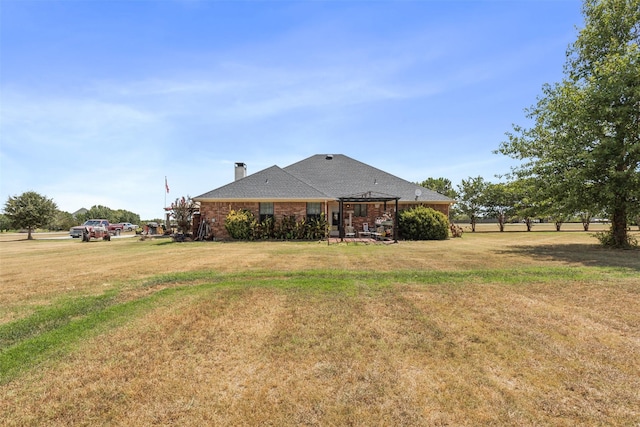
[(242, 225), (286, 228), (239, 224), (456, 230), (317, 228), (262, 230), (606, 238), (422, 223)]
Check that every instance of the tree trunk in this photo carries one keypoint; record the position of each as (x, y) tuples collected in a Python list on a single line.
[(586, 219), (619, 227), (29, 236), (473, 224), (529, 223), (585, 224)]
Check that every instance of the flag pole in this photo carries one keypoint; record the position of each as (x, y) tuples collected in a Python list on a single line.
[(164, 208)]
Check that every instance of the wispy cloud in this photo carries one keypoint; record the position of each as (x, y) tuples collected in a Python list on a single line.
[(38, 121)]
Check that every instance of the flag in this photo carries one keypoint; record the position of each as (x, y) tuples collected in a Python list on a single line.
[(166, 185)]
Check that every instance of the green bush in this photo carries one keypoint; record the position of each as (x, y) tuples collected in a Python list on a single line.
[(239, 224), (242, 225), (286, 228), (606, 238), (310, 229), (262, 230), (422, 223)]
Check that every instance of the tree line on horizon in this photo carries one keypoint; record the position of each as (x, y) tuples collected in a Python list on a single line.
[(520, 200), (31, 210)]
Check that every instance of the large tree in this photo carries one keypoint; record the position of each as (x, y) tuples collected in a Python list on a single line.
[(584, 144), (30, 210), (5, 223)]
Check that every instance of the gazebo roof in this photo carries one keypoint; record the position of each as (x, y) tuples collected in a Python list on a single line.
[(369, 196)]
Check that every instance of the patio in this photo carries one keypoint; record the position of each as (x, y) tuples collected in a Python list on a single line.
[(359, 241), (368, 197)]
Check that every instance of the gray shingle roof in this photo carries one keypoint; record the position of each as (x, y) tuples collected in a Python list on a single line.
[(271, 183), (339, 175), (322, 177)]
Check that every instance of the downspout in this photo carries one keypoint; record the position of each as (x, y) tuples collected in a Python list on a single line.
[(340, 225), (395, 224)]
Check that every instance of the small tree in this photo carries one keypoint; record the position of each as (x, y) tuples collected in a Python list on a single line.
[(499, 201), (585, 218), (422, 223), (528, 200), (470, 198), (30, 210), (182, 211), (557, 213)]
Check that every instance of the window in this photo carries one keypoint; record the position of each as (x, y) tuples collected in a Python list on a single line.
[(266, 211), (360, 210), (314, 210)]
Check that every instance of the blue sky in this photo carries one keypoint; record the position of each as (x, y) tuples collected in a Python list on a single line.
[(100, 100)]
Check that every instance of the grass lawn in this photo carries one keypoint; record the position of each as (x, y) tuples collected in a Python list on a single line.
[(513, 328)]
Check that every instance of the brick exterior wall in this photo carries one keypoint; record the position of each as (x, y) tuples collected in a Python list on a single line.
[(219, 211)]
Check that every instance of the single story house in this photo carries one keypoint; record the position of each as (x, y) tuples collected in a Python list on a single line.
[(350, 194)]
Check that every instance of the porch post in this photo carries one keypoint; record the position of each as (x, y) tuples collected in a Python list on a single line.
[(327, 228)]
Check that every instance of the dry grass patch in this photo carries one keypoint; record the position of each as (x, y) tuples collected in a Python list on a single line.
[(542, 329), (281, 352)]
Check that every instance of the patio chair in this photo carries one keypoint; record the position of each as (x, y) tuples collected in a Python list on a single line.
[(365, 230), (349, 231), (378, 233)]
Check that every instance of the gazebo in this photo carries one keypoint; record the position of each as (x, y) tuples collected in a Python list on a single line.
[(369, 197)]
